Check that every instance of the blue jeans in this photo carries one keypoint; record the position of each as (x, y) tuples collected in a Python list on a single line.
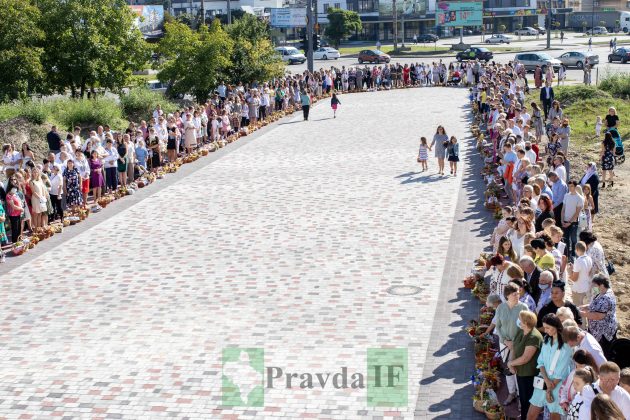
[(570, 238)]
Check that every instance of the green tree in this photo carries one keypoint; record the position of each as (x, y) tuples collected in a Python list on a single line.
[(254, 57), (342, 23), (194, 61), (90, 43), (21, 70)]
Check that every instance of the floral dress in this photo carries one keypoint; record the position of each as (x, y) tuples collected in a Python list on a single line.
[(72, 179), (605, 303), (608, 160)]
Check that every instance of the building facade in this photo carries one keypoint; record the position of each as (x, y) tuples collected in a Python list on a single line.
[(216, 7)]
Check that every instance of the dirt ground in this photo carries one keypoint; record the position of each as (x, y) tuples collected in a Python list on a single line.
[(612, 226)]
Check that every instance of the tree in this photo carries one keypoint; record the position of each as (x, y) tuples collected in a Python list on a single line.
[(21, 70), (90, 43), (254, 57), (194, 60), (342, 23), (502, 28)]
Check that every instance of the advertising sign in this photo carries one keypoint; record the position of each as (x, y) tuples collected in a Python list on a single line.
[(149, 19), (408, 8), (289, 17), (459, 13)]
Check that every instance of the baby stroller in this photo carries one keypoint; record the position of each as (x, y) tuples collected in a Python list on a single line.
[(455, 79), (620, 157)]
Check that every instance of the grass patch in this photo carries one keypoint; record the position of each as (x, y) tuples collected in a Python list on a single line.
[(582, 117), (617, 84), (140, 102), (568, 95), (66, 113)]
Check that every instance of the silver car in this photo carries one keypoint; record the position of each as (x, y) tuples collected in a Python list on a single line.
[(533, 59), (578, 59)]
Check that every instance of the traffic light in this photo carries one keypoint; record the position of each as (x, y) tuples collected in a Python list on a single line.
[(304, 44), (316, 42)]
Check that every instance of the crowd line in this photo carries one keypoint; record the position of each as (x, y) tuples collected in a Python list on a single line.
[(548, 328), (556, 351)]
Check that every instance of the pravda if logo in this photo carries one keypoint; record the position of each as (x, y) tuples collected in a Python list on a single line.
[(245, 377)]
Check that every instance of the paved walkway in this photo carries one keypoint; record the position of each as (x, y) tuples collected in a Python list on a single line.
[(289, 243)]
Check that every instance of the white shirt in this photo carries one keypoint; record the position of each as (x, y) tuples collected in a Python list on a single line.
[(83, 166), (562, 172), (583, 266), (590, 344), (157, 114), (618, 395), (110, 159), (56, 184), (10, 160), (531, 155), (526, 117)]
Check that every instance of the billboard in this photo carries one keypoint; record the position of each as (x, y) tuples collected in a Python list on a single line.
[(459, 13), (149, 19), (289, 17), (408, 8)]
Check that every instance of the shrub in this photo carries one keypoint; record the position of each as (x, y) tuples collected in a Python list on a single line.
[(34, 112), (617, 84), (70, 112), (568, 95), (140, 102)]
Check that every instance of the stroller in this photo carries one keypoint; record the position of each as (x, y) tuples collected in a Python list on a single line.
[(455, 79), (620, 157)]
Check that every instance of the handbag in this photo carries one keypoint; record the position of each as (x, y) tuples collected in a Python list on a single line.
[(582, 224), (610, 267), (539, 382)]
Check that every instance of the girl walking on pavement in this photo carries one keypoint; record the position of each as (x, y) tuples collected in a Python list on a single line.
[(453, 154), (334, 103), (423, 153)]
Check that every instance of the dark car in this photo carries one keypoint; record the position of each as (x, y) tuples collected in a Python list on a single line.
[(428, 38), (620, 54), (474, 53), (373, 56)]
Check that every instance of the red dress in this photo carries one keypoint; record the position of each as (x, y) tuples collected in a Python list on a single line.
[(406, 71)]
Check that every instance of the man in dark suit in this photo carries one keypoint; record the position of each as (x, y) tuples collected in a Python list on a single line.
[(532, 275), (546, 97)]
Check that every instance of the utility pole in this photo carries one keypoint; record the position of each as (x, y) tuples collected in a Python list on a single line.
[(309, 34), (395, 23), (229, 12), (203, 13), (548, 28)]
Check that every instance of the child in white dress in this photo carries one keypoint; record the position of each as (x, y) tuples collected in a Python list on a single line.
[(598, 126), (423, 153)]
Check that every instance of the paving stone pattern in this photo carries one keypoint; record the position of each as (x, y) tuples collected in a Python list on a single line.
[(288, 243)]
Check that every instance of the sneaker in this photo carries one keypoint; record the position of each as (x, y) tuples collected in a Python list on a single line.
[(3, 259)]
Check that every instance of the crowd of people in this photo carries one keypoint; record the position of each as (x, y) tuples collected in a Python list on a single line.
[(549, 280)]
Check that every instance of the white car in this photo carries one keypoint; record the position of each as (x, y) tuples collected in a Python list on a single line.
[(291, 55), (326, 53), (528, 30), (598, 30), (498, 39)]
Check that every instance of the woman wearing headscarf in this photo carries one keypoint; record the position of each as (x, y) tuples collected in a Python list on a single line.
[(591, 178)]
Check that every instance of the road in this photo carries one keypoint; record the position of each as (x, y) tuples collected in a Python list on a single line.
[(312, 241), (572, 42)]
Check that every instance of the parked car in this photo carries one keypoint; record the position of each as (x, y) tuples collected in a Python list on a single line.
[(428, 38), (578, 59), (326, 53), (156, 86), (498, 39), (531, 60), (291, 55), (542, 31), (620, 54), (373, 56), (528, 30), (597, 30), (474, 53)]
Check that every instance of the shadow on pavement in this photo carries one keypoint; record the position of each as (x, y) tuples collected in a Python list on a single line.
[(443, 393)]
